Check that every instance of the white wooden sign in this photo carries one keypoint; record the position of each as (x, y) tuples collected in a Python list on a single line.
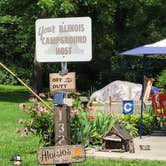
[(63, 39)]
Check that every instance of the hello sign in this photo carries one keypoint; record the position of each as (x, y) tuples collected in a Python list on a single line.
[(63, 39)]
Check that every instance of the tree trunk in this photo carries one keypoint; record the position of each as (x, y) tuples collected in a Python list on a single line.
[(37, 76)]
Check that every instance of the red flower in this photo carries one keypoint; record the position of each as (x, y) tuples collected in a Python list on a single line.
[(22, 106), (20, 121), (32, 130), (78, 93), (90, 117), (73, 113), (42, 95), (90, 107), (38, 114), (90, 104), (46, 136), (33, 99), (49, 99), (30, 122), (25, 132), (18, 130)]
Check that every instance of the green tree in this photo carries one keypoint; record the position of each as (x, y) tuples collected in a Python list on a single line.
[(117, 25)]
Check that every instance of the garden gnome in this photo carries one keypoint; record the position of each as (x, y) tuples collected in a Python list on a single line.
[(16, 160)]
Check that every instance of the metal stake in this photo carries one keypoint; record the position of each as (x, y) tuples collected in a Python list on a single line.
[(64, 69)]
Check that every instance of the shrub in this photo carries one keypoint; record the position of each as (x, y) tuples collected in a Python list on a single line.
[(132, 123), (6, 78), (39, 122), (87, 127), (161, 80)]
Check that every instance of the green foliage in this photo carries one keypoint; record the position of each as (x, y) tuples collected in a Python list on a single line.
[(11, 143), (6, 78), (161, 80), (89, 129), (8, 19), (40, 122), (119, 162), (42, 125), (132, 123), (117, 26)]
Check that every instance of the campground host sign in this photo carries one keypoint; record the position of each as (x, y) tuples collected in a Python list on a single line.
[(63, 39)]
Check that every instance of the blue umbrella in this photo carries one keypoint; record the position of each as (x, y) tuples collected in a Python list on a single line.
[(154, 49), (157, 49)]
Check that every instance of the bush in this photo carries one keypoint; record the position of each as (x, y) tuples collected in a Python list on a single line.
[(161, 80), (6, 78), (38, 121), (132, 123), (87, 127)]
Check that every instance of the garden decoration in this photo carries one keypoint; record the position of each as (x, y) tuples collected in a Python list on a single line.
[(62, 40), (127, 106), (159, 104), (16, 159), (155, 50), (118, 139)]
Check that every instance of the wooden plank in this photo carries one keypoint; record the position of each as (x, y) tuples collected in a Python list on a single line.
[(62, 125), (60, 82), (147, 88), (61, 154)]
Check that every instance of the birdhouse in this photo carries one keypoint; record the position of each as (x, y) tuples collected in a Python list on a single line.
[(118, 138)]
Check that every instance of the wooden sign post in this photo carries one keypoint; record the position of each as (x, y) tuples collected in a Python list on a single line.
[(62, 125), (63, 40), (62, 154)]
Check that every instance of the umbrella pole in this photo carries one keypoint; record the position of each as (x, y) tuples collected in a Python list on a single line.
[(141, 116), (142, 96)]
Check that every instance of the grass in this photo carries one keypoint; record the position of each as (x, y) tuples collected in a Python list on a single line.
[(11, 143)]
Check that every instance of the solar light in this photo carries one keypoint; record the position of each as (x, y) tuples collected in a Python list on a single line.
[(16, 160)]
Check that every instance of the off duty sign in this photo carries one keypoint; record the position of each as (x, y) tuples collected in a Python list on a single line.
[(62, 82), (63, 39)]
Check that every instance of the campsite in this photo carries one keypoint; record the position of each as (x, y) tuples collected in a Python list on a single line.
[(82, 82)]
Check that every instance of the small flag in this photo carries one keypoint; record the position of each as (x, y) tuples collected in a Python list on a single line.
[(127, 106)]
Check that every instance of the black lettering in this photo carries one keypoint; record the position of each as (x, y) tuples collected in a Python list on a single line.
[(64, 152), (63, 50), (45, 155), (51, 155)]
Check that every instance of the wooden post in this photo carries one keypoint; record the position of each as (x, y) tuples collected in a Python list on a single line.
[(110, 100), (62, 127)]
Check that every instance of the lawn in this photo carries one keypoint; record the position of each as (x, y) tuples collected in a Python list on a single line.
[(12, 143)]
